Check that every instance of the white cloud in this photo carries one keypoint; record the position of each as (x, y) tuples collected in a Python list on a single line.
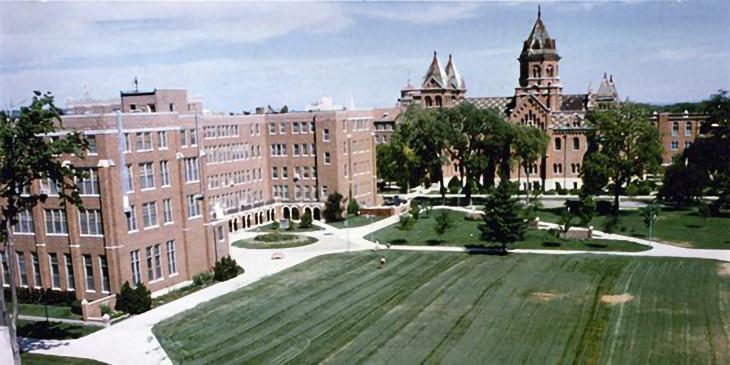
[(421, 14)]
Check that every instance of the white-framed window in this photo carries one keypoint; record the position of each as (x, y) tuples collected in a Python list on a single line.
[(69, 272), (146, 176), (91, 148), (193, 136), (193, 206), (166, 211), (127, 141), (675, 128), (104, 273), (162, 139), (21, 268), (25, 222), (295, 149), (191, 169), (49, 186), (144, 141), (89, 273), (56, 221), (136, 273), (285, 172), (295, 127), (325, 135), (90, 222), (164, 173), (674, 145), (132, 219), (36, 270), (55, 273), (130, 178), (325, 193), (149, 214), (282, 127), (327, 158), (89, 185), (274, 172), (171, 258), (272, 128), (184, 138), (687, 128), (158, 260)]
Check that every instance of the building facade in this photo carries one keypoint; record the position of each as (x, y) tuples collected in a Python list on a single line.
[(167, 184)]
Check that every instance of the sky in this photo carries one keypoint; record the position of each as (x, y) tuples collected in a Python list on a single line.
[(239, 55)]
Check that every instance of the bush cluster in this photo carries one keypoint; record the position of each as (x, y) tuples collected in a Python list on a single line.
[(226, 269), (202, 278), (274, 237), (42, 296), (306, 221), (134, 300)]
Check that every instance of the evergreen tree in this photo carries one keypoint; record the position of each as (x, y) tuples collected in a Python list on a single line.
[(333, 207), (503, 217), (306, 221)]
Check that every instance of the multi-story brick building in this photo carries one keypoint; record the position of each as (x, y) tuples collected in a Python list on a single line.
[(677, 131), (167, 183)]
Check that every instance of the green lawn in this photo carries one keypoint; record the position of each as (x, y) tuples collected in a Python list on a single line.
[(465, 309), (39, 359), (466, 233), (356, 221), (270, 228), (53, 330), (287, 241), (683, 228), (38, 310)]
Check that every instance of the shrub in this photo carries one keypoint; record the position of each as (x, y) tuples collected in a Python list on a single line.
[(306, 221), (333, 208), (353, 208), (226, 269), (275, 226), (76, 307), (105, 309), (42, 296), (415, 210), (202, 278), (406, 223), (587, 209), (610, 224), (454, 185), (274, 237), (134, 300), (291, 226)]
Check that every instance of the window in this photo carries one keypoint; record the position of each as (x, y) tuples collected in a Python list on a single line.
[(193, 206), (687, 144), (171, 258), (285, 172), (69, 272), (193, 137), (327, 159), (146, 176), (158, 261), (90, 222), (164, 173), (162, 138), (104, 274), (576, 143), (172, 107), (325, 135), (132, 219), (49, 186), (272, 128), (558, 144), (274, 172), (36, 270), (25, 222), (674, 145), (21, 267), (134, 260), (675, 128), (688, 129), (56, 221), (295, 127), (295, 150), (55, 274), (89, 185), (127, 143), (166, 211), (144, 141), (282, 127), (89, 273), (149, 214), (191, 169), (91, 148), (150, 271), (183, 138), (5, 268), (130, 179)]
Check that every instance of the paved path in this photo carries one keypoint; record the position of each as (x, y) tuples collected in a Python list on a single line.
[(131, 341)]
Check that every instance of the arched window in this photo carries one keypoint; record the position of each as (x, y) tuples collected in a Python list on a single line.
[(536, 71), (549, 71), (675, 128), (688, 129), (558, 144), (438, 100), (576, 143), (428, 101), (555, 168)]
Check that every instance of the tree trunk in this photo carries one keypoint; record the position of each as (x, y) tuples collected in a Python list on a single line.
[(467, 188), (10, 254), (529, 188), (442, 188)]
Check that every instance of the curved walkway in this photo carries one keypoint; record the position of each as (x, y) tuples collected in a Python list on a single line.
[(131, 341)]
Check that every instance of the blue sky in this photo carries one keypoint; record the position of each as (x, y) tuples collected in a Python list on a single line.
[(240, 55)]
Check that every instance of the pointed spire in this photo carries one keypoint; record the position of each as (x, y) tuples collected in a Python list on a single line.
[(435, 75), (539, 41), (538, 11), (453, 77)]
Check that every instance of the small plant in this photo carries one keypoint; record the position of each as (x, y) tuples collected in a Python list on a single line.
[(291, 226), (226, 269), (275, 226), (406, 223), (611, 223), (454, 185), (415, 210), (306, 221), (566, 220), (353, 208), (202, 278), (105, 309), (587, 210), (134, 300), (444, 222)]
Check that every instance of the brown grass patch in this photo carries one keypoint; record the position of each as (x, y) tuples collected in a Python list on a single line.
[(547, 296), (723, 269), (617, 299)]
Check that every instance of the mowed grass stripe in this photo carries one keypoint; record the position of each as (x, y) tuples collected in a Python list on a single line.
[(468, 309)]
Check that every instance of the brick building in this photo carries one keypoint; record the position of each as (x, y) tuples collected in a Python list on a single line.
[(677, 131), (167, 183)]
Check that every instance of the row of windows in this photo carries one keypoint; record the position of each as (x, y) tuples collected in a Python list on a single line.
[(687, 129), (232, 152), (153, 259), (559, 143), (88, 185), (300, 172), (90, 222), (558, 168), (150, 213), (221, 131), (306, 192), (55, 266), (674, 145), (233, 199), (296, 127), (233, 178)]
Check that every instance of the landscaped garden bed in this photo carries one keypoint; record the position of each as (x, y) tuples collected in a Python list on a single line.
[(275, 240)]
